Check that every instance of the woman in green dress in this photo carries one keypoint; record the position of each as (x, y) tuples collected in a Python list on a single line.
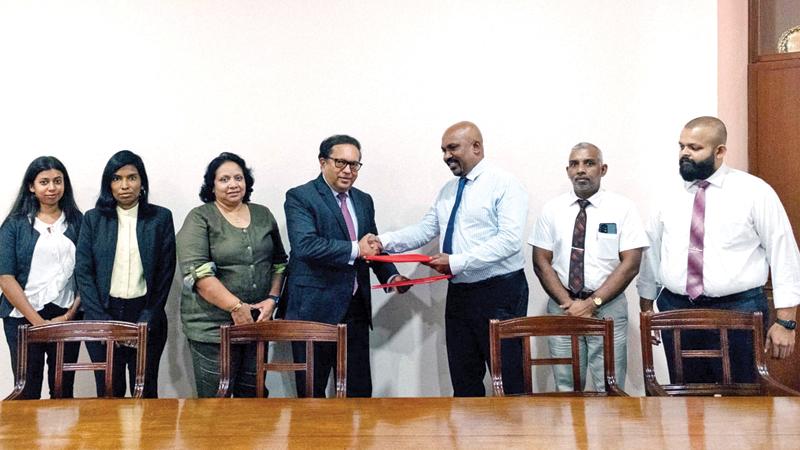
[(232, 259)]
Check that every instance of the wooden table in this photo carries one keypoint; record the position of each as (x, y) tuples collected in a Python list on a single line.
[(636, 422)]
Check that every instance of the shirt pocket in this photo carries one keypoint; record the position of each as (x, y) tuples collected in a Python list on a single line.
[(608, 246)]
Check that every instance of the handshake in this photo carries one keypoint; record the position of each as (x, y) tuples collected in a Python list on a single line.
[(369, 245)]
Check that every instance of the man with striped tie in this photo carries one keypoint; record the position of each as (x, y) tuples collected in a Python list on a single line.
[(587, 246), (479, 217), (713, 242)]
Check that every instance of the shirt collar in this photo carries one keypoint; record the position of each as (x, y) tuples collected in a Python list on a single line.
[(132, 212), (716, 178), (477, 170), (594, 200), (334, 191)]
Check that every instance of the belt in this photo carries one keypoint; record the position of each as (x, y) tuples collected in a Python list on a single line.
[(487, 281), (704, 299), (582, 295)]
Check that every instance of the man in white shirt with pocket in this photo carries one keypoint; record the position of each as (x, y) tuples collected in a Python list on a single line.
[(587, 248)]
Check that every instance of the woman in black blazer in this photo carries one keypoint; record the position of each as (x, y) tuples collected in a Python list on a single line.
[(37, 261), (125, 265)]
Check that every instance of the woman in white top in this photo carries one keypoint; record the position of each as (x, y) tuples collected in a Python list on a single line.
[(37, 261)]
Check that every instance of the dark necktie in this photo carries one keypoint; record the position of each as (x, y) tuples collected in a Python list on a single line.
[(351, 229), (576, 256), (694, 267), (447, 245)]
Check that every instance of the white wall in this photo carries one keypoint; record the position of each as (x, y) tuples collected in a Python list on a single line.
[(180, 81)]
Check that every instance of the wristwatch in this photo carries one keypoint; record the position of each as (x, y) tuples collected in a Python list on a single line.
[(788, 324), (598, 301), (277, 298)]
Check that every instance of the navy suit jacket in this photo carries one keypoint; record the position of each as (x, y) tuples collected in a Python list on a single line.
[(97, 247), (320, 280)]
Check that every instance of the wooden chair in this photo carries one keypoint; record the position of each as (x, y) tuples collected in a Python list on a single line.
[(722, 321), (283, 331), (110, 332), (575, 327)]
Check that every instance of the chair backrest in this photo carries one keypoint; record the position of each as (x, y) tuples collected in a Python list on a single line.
[(111, 332), (526, 327), (262, 333), (719, 320)]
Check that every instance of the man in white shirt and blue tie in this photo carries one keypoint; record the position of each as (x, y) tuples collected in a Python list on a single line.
[(479, 217), (713, 242)]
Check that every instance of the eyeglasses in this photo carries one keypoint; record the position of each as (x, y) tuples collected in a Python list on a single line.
[(355, 166)]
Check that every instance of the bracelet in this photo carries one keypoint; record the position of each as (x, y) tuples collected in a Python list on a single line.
[(237, 307)]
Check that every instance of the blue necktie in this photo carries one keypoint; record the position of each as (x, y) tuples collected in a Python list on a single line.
[(447, 247)]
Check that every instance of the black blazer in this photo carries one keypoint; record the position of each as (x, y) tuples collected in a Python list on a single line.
[(97, 245), (320, 280)]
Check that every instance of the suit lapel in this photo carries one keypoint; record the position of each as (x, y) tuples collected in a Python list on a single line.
[(326, 194), (361, 216), (142, 244)]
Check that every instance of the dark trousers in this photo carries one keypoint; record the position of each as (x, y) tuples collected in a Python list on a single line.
[(205, 360), (37, 353), (709, 370), (470, 307), (129, 310), (359, 374)]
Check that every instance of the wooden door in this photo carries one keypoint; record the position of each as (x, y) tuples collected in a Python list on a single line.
[(774, 152)]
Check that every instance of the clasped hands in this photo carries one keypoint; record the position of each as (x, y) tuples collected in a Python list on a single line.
[(579, 308), (370, 245), (245, 315)]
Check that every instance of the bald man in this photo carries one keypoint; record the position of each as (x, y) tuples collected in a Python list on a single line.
[(713, 242), (479, 218), (588, 277)]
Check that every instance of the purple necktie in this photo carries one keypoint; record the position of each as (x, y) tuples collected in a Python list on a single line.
[(576, 255), (694, 268), (351, 229)]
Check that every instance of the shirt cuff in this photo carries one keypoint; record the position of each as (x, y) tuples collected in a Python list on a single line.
[(785, 298), (391, 280), (457, 263), (353, 253), (386, 241), (649, 291)]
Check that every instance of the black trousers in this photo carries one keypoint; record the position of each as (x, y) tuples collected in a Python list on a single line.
[(37, 353), (709, 370), (359, 373), (470, 307), (129, 310)]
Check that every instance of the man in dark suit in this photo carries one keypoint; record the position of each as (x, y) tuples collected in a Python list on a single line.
[(328, 281)]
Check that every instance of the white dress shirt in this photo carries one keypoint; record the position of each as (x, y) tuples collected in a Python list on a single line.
[(127, 276), (553, 232), (487, 238), (747, 233), (50, 279)]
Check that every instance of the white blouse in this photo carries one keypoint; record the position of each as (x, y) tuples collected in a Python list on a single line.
[(51, 277)]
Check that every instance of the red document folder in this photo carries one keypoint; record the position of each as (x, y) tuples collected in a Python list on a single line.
[(412, 282), (412, 257)]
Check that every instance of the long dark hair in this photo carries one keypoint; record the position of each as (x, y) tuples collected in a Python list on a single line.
[(27, 204), (106, 203), (207, 189)]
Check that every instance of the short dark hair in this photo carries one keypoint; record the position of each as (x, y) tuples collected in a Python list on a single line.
[(106, 203), (207, 189), (337, 139), (26, 203)]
